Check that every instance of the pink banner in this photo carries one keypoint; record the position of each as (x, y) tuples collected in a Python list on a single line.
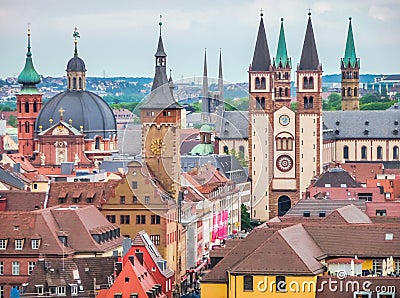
[(221, 225), (214, 228), (225, 224)]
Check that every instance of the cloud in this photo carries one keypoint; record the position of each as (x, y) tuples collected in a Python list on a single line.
[(381, 13), (321, 7)]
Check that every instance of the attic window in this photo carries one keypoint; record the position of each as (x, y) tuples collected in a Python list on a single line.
[(366, 132), (327, 185), (388, 236), (366, 122), (322, 214), (306, 213), (396, 122), (396, 132), (337, 122), (337, 131), (343, 185)]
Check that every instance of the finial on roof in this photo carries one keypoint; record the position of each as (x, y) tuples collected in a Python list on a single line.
[(29, 40), (61, 110), (350, 18), (76, 35), (281, 19), (160, 23), (261, 12), (309, 12)]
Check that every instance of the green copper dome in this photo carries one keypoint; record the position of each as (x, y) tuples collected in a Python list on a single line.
[(29, 77), (206, 128), (202, 149)]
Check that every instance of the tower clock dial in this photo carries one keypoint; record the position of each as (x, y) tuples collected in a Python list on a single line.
[(157, 146), (284, 163), (284, 120)]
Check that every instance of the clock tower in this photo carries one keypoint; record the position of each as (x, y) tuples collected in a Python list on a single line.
[(160, 116)]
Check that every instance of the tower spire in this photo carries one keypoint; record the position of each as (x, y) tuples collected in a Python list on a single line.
[(282, 59), (205, 76), (261, 58), (220, 79), (350, 51), (76, 35), (29, 77), (309, 55)]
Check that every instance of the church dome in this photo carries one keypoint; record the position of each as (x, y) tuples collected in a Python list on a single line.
[(84, 108), (76, 64)]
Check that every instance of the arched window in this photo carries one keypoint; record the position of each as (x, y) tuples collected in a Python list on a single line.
[(263, 83), (379, 152), (263, 102), (346, 152), (279, 75), (395, 152), (343, 92), (20, 126), (286, 91), (286, 75), (279, 144), (289, 144), (27, 128), (226, 150), (97, 143), (258, 83), (305, 82), (355, 91), (74, 83), (80, 83), (311, 83), (364, 152), (356, 75), (258, 103), (311, 102), (305, 101), (343, 75), (19, 108), (26, 107), (280, 91), (34, 106), (349, 91)]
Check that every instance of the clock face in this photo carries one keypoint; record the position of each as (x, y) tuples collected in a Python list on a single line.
[(284, 163), (157, 146), (284, 120)]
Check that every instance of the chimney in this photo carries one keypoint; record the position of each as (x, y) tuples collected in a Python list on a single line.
[(132, 260), (139, 256)]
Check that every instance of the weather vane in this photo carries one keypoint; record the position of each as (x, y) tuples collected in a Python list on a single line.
[(76, 33)]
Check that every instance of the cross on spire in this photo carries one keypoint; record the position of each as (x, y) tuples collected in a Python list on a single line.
[(261, 12), (160, 23), (309, 11)]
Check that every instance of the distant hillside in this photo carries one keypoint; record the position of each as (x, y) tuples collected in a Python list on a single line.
[(336, 78)]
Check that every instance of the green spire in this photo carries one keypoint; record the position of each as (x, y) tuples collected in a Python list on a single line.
[(281, 52), (350, 52), (29, 77)]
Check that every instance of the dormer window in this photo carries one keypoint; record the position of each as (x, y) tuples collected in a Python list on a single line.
[(64, 240), (366, 132), (19, 243), (366, 122), (35, 243)]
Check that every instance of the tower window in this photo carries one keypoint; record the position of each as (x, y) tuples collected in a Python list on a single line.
[(355, 91), (26, 107), (258, 83), (80, 83), (311, 83), (74, 83), (27, 128), (263, 83), (308, 102), (35, 107), (305, 82), (395, 152), (280, 91), (349, 91), (286, 92), (97, 143), (343, 92)]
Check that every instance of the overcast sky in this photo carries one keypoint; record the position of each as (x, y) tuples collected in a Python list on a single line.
[(119, 38)]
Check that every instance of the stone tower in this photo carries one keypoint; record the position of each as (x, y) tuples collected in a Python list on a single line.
[(350, 67), (161, 122), (29, 103)]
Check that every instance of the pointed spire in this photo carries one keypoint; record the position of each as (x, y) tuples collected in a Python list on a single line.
[(220, 78), (161, 96), (76, 35), (29, 77), (261, 57), (350, 52), (160, 48), (205, 76), (171, 82), (282, 59), (309, 56)]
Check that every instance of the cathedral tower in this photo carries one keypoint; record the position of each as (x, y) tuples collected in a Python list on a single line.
[(261, 108), (161, 121), (283, 68), (309, 112), (29, 103), (350, 67)]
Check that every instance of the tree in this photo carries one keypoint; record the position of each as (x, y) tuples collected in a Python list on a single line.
[(333, 102), (12, 121), (245, 218)]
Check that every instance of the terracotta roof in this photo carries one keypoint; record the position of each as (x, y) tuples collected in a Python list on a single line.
[(317, 206), (22, 200), (348, 214), (236, 255), (363, 171), (23, 161), (289, 251), (344, 261), (60, 272)]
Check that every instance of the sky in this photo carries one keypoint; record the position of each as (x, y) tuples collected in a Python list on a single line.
[(119, 38)]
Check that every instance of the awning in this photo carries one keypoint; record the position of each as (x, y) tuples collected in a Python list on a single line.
[(198, 268)]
